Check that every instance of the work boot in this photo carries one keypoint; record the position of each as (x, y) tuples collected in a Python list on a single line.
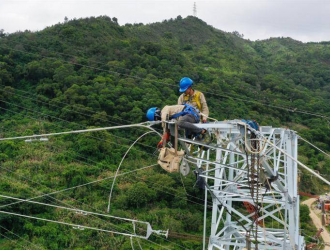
[(206, 138)]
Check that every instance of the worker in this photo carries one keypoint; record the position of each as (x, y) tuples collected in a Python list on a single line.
[(193, 97), (186, 116)]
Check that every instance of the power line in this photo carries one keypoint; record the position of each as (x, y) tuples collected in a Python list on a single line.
[(64, 103), (288, 109), (29, 242), (81, 185), (174, 243), (92, 215), (323, 117), (314, 146), (143, 124), (68, 224), (15, 241), (101, 139), (73, 122), (141, 178), (84, 212), (73, 208), (41, 135), (115, 225), (87, 213)]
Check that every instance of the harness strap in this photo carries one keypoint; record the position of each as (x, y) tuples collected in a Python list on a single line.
[(187, 110), (195, 98)]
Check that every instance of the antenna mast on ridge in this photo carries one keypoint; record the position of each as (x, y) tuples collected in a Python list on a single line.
[(195, 9)]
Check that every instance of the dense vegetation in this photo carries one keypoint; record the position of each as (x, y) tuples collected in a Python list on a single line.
[(94, 72)]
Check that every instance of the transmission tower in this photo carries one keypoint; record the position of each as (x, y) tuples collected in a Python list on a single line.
[(252, 178), (195, 10)]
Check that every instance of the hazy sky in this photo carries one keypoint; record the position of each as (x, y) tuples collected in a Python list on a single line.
[(304, 20)]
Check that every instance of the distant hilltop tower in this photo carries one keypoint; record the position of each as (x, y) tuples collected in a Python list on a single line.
[(195, 9)]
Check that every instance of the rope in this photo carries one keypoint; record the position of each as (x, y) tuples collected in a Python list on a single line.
[(245, 141), (208, 116)]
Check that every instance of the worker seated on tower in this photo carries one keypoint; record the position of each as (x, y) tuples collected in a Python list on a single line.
[(186, 116)]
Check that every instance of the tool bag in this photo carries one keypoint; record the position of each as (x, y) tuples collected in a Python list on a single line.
[(169, 159)]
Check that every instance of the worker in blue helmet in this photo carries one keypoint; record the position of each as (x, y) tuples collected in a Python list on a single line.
[(178, 112), (153, 114), (193, 97)]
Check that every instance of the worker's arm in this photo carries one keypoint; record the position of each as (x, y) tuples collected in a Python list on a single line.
[(180, 100), (205, 109)]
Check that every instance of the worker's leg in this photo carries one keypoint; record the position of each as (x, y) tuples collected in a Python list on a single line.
[(187, 123)]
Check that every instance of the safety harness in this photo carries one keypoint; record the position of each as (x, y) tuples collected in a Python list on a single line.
[(188, 109), (194, 98)]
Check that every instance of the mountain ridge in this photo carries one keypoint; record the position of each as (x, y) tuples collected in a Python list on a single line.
[(94, 72)]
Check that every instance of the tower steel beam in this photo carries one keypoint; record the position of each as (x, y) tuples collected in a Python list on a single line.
[(256, 167)]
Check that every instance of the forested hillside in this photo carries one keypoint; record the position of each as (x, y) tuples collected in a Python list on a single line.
[(93, 72)]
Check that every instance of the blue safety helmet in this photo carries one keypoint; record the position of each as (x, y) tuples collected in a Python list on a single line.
[(153, 113), (185, 83)]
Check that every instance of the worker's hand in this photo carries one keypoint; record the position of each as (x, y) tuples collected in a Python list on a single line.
[(204, 120), (160, 144)]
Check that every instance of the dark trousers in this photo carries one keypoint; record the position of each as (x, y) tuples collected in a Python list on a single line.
[(187, 123)]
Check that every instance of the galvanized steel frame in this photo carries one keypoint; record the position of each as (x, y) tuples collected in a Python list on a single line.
[(224, 168)]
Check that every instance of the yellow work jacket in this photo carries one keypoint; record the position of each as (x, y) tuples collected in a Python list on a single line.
[(197, 100)]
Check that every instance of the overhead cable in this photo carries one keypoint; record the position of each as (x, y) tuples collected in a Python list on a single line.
[(293, 110), (65, 107), (29, 242), (118, 168), (82, 185), (90, 136), (299, 137), (103, 220), (69, 224)]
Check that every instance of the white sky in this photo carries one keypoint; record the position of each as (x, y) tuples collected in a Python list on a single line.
[(304, 20)]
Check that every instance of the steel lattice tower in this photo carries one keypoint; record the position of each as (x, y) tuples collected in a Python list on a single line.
[(252, 178), (195, 9)]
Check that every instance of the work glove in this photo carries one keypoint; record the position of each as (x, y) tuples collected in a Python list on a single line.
[(204, 121), (160, 144), (166, 138)]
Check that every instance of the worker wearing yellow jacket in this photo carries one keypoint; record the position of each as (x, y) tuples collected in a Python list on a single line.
[(193, 97)]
